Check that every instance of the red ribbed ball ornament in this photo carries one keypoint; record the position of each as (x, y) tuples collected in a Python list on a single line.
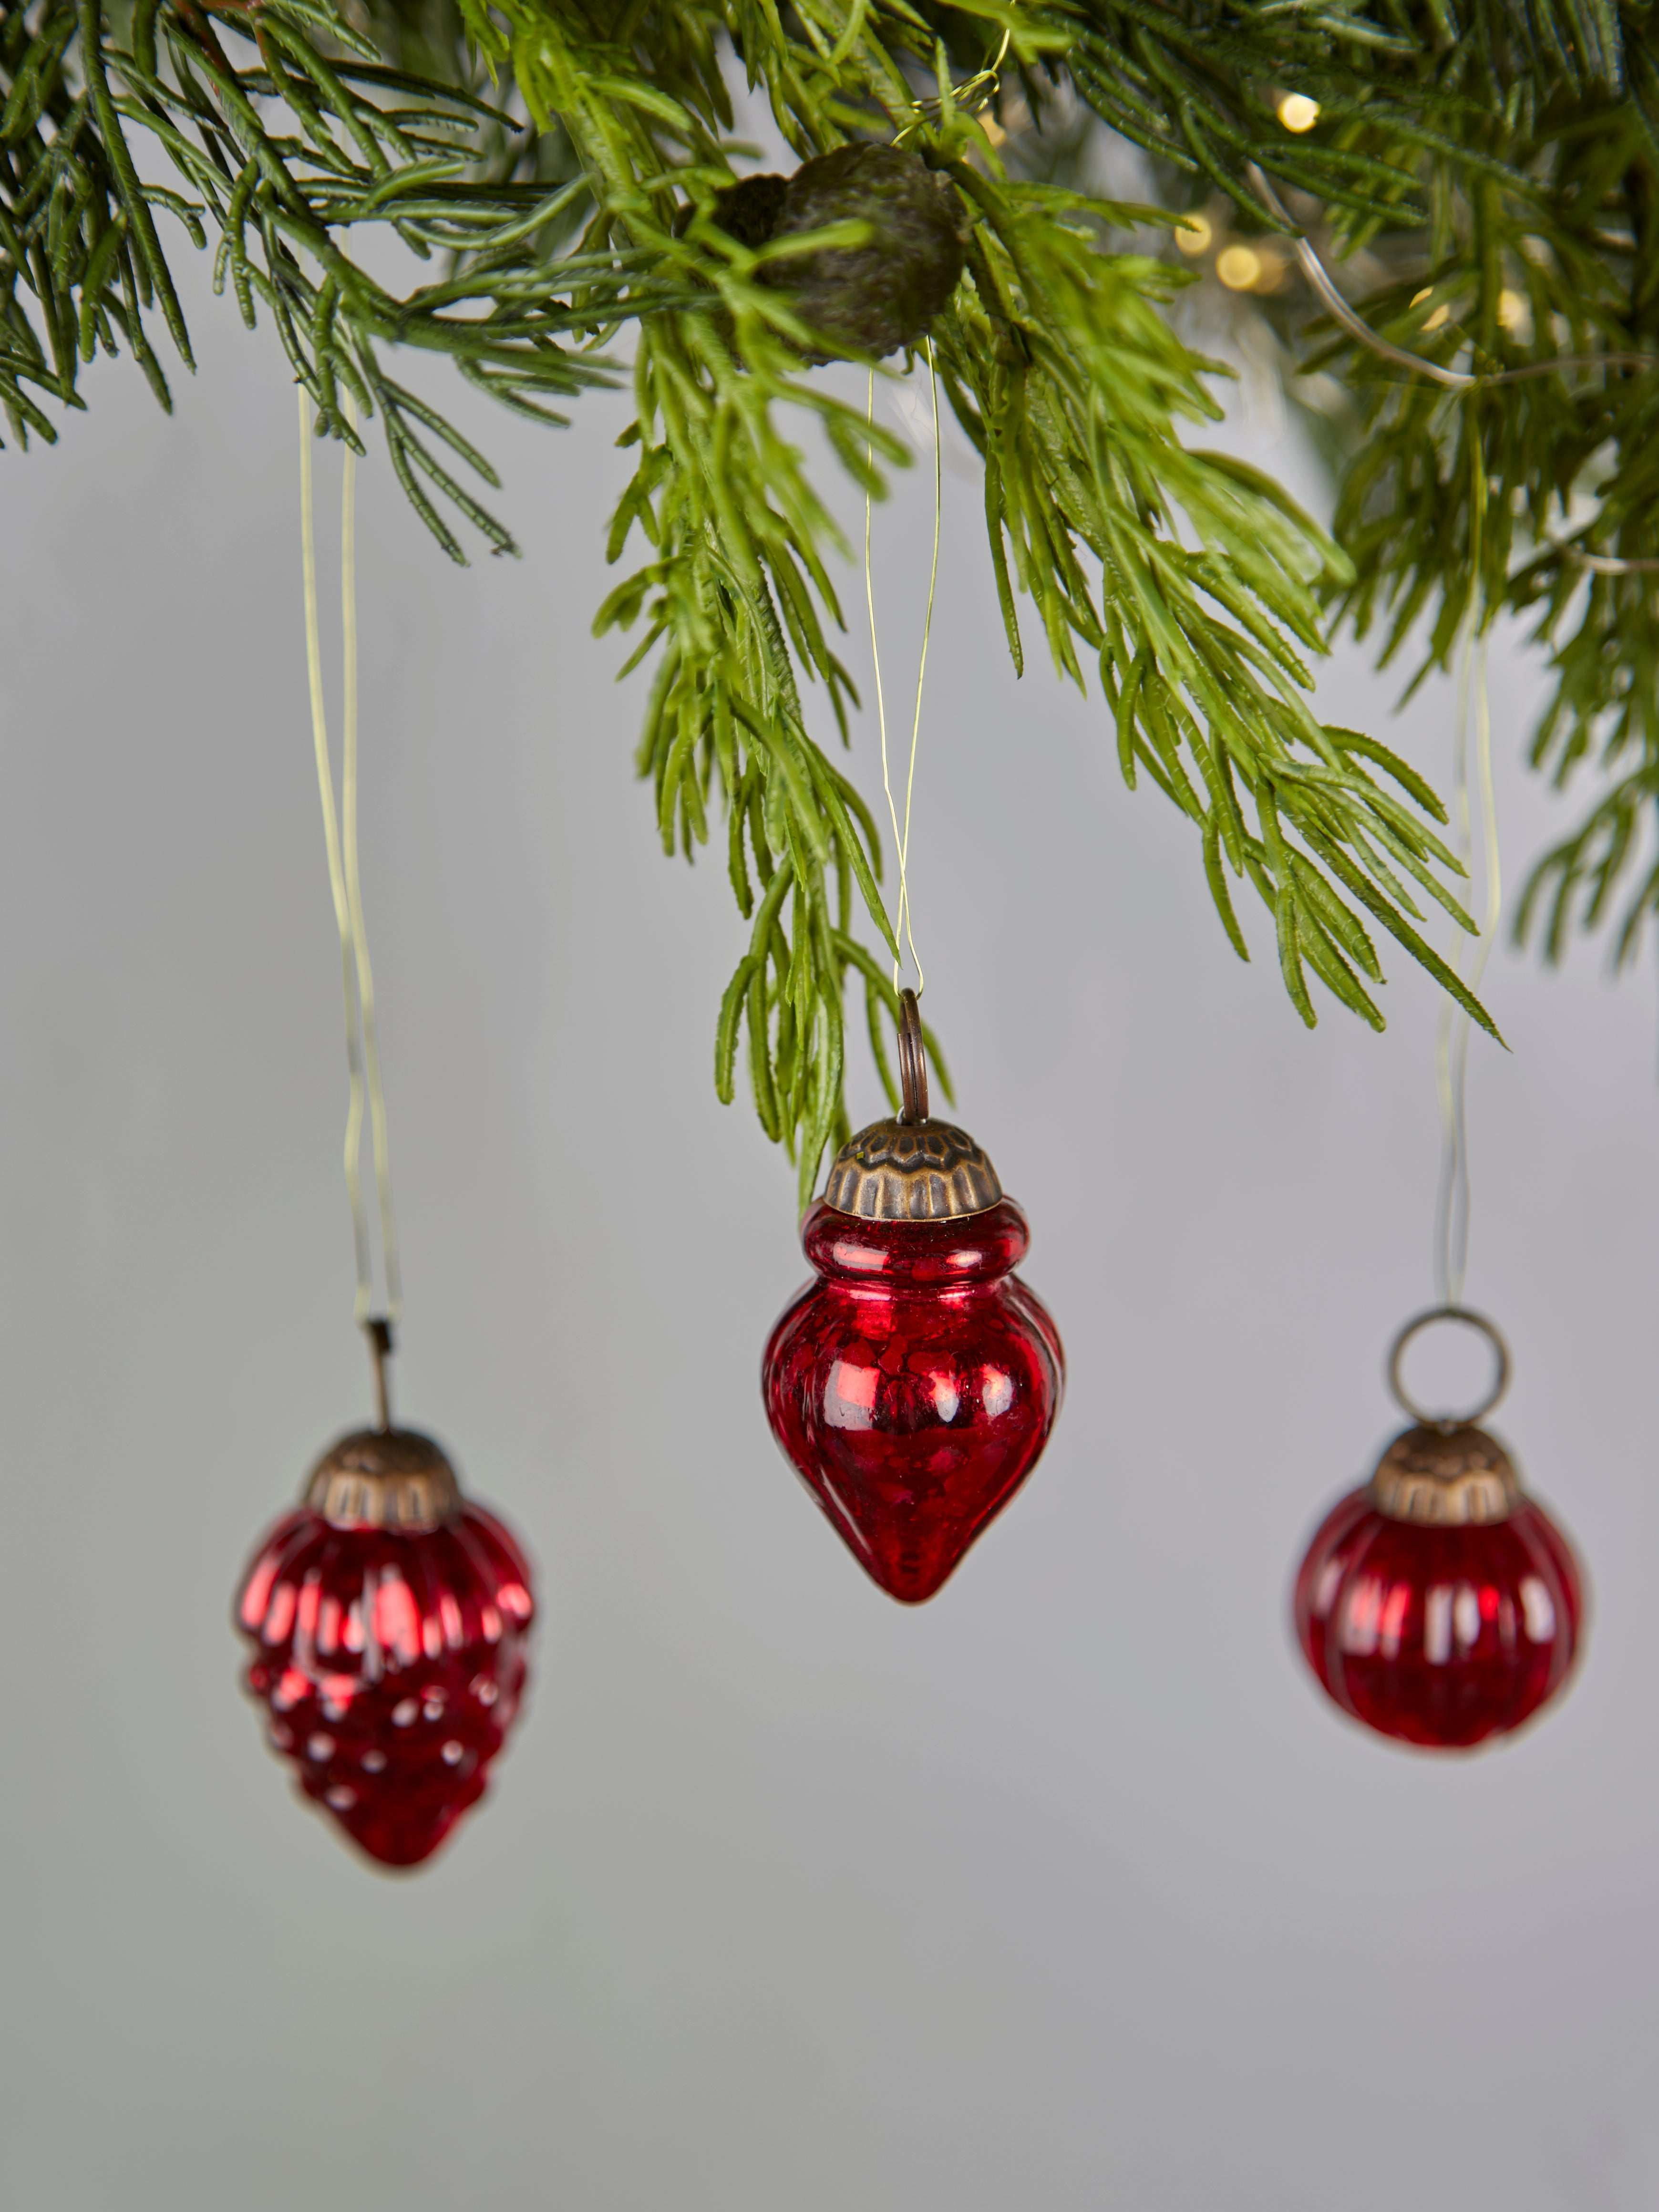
[(387, 1621), (1440, 1605), (913, 1383)]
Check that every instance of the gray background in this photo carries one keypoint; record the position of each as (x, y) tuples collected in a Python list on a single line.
[(1066, 1891)]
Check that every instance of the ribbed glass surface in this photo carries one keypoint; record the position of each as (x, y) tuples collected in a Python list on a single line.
[(912, 1385), (391, 1667), (1442, 1637)]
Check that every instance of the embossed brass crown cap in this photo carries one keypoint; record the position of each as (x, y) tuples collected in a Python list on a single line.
[(1445, 1472), (907, 1167), (383, 1478), (912, 1171), (1445, 1478)]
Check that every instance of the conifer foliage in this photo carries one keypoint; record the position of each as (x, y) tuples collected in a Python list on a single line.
[(1461, 194)]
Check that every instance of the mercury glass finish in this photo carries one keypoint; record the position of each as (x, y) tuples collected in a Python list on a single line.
[(912, 1384), (390, 1664), (1444, 1638)]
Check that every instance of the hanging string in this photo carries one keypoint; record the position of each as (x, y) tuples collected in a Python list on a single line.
[(394, 1289), (1451, 1057), (340, 839), (903, 930), (978, 92)]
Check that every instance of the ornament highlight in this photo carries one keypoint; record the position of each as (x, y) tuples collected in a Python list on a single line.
[(912, 1384), (1440, 1605), (387, 1620)]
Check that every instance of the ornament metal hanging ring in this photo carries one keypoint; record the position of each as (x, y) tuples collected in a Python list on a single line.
[(913, 1061), (1470, 1320)]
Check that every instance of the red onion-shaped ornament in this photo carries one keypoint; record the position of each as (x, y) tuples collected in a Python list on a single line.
[(387, 1620), (1439, 1604), (913, 1383)]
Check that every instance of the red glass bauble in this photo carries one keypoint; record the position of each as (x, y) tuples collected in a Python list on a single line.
[(388, 1620), (1440, 1605), (913, 1383)]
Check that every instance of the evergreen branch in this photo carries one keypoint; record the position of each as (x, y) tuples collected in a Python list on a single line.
[(1188, 582)]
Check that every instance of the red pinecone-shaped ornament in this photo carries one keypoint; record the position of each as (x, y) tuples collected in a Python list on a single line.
[(1440, 1605), (388, 1620), (914, 1382)]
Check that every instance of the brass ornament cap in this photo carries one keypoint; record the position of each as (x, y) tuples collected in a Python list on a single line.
[(383, 1478), (1445, 1477), (911, 1172)]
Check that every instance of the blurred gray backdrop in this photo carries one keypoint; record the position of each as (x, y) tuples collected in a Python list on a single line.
[(1066, 1891)]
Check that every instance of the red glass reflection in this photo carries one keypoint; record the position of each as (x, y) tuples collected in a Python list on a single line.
[(912, 1385), (1444, 1638), (391, 1664)]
